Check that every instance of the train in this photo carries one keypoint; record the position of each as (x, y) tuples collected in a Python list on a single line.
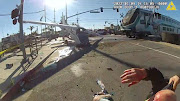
[(138, 23)]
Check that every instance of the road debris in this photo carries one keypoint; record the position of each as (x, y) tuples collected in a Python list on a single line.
[(110, 69), (64, 53)]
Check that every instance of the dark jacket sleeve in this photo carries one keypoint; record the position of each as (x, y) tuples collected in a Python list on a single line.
[(157, 79), (178, 75)]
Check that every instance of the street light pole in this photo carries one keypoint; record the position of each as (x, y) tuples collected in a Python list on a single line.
[(21, 30)]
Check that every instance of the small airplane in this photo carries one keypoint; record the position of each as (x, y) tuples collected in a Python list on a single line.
[(71, 30)]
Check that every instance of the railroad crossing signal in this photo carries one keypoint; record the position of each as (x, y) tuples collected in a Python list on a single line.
[(14, 15), (15, 21)]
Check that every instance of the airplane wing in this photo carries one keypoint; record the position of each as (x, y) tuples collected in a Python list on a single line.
[(70, 29), (51, 24)]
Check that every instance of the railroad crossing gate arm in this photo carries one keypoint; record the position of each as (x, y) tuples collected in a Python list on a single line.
[(70, 29)]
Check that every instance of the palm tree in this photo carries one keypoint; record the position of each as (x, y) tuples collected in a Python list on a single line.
[(31, 28)]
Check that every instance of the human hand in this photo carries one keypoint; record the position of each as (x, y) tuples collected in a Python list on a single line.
[(176, 81), (133, 76), (101, 95)]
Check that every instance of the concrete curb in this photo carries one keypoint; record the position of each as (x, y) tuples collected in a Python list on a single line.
[(16, 88)]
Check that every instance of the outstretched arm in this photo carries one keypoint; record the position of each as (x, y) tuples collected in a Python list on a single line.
[(133, 76)]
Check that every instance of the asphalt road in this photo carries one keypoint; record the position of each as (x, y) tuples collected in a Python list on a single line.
[(114, 54)]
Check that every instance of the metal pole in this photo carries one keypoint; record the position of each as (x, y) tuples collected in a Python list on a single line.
[(55, 19), (81, 13), (66, 13), (36, 44), (45, 17), (37, 30), (77, 19), (41, 36), (41, 25), (117, 22), (41, 30), (21, 30), (86, 12), (54, 14)]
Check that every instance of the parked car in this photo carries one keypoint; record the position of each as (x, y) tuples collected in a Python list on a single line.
[(101, 31)]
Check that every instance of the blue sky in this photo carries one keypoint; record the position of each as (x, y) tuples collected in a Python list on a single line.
[(86, 20)]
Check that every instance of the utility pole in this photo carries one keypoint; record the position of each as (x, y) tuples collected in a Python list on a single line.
[(45, 17), (66, 12), (21, 31)]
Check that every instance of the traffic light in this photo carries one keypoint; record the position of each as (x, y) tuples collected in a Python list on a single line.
[(117, 10), (101, 9), (14, 15)]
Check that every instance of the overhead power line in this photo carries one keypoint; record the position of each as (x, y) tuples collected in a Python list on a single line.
[(23, 13), (51, 20), (5, 14), (94, 20), (34, 12)]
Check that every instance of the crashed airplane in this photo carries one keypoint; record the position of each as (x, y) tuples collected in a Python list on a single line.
[(75, 32)]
